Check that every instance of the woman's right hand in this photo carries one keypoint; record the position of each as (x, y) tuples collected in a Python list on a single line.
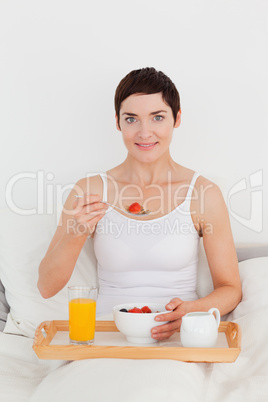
[(78, 220), (87, 212)]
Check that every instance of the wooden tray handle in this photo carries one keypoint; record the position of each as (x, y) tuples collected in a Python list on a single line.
[(41, 333), (233, 334)]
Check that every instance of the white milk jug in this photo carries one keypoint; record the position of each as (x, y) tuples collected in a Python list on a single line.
[(200, 329)]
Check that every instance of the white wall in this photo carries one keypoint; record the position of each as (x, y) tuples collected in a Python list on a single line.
[(60, 62)]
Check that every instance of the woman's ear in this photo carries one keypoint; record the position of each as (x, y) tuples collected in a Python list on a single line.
[(178, 119), (117, 123)]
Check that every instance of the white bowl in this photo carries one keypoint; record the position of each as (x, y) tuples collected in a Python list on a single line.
[(137, 326)]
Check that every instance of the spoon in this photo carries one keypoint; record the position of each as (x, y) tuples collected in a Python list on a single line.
[(143, 212)]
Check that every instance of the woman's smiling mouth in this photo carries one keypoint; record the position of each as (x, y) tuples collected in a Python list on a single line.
[(145, 146)]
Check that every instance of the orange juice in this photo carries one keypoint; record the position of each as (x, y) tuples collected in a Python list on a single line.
[(82, 313)]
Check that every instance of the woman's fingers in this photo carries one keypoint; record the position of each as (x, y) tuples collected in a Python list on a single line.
[(174, 325), (84, 200), (172, 316), (89, 220), (86, 227), (87, 211), (86, 217), (88, 204), (174, 303), (166, 330), (176, 307)]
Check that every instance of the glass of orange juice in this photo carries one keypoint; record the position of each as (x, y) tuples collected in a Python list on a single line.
[(82, 314)]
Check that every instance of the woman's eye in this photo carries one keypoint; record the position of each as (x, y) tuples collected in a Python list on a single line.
[(130, 121), (161, 118)]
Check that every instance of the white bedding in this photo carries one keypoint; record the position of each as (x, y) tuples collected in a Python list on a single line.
[(23, 377)]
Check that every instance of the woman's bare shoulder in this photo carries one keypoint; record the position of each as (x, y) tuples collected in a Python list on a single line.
[(209, 199), (90, 185), (206, 186)]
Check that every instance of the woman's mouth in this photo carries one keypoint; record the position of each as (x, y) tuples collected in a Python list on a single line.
[(146, 146)]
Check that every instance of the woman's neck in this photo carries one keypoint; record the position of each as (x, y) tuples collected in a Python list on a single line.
[(144, 174)]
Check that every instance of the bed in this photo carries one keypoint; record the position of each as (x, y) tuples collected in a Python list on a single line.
[(24, 377)]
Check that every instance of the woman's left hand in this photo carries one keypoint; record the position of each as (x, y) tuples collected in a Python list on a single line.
[(177, 308)]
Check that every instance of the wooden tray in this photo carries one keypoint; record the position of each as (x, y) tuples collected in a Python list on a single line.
[(47, 331)]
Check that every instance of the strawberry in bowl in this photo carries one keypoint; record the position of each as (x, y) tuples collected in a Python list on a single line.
[(144, 309), (136, 321)]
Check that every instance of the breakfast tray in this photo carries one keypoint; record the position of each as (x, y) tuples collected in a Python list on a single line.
[(52, 342)]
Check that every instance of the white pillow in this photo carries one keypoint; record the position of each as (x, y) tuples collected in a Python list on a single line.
[(254, 278), (23, 243)]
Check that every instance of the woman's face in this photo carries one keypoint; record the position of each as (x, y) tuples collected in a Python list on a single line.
[(147, 125)]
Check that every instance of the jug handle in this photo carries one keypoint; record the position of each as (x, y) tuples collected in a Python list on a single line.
[(218, 315)]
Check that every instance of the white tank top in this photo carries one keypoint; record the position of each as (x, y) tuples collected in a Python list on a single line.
[(151, 261)]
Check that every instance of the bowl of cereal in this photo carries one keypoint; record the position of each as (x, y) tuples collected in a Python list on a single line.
[(136, 320)]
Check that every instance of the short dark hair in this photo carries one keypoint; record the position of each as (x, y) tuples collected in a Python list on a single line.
[(147, 81)]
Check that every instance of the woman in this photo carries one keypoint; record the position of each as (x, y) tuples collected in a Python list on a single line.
[(147, 257)]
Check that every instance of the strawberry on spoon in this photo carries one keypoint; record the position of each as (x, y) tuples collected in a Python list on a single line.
[(135, 208)]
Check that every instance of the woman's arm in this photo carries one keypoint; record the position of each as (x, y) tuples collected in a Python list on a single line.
[(221, 255), (222, 259), (78, 220)]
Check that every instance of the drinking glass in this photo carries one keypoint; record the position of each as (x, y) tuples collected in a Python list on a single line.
[(82, 314)]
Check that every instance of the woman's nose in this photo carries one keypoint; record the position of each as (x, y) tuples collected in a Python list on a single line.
[(145, 131)]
